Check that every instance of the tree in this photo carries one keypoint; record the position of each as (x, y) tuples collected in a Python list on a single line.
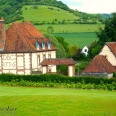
[(73, 50), (109, 32), (50, 29), (63, 43), (60, 51), (94, 49), (62, 69)]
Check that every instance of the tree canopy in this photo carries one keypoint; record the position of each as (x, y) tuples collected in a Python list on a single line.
[(73, 50), (63, 43), (60, 51), (108, 34)]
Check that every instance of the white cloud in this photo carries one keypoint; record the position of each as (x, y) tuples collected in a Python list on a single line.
[(92, 6)]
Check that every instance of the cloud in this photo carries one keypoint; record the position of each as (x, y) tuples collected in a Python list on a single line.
[(92, 6)]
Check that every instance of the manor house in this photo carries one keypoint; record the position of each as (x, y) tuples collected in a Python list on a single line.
[(23, 48)]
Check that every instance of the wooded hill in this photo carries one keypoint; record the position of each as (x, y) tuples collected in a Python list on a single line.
[(43, 14), (11, 10)]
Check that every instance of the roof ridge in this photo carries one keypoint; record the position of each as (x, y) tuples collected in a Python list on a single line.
[(27, 30), (100, 63), (34, 28), (22, 35), (110, 47)]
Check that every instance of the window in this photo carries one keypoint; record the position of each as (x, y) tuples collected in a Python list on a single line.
[(85, 50), (37, 45), (48, 45), (38, 58), (43, 45), (44, 56), (49, 56), (49, 69)]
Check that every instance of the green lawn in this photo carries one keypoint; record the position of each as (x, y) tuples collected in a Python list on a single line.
[(57, 102), (80, 39)]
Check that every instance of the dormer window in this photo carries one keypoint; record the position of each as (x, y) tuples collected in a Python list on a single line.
[(43, 45), (48, 45), (37, 45)]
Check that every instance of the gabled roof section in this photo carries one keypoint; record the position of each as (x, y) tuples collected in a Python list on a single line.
[(99, 65), (68, 61), (22, 37), (112, 47)]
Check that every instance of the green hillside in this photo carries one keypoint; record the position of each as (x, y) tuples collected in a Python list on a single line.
[(46, 14), (43, 14), (51, 11)]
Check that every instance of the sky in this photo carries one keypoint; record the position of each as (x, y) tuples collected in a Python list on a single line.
[(92, 6)]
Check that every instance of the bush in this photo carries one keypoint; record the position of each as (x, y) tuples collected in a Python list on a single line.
[(58, 81)]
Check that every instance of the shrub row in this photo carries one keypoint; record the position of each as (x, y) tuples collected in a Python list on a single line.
[(56, 79), (79, 85)]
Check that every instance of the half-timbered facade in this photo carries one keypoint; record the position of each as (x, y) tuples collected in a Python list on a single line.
[(23, 48)]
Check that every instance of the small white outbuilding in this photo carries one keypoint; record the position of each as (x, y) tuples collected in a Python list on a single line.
[(85, 50)]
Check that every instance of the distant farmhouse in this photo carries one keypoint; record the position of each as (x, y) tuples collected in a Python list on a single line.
[(23, 49), (103, 64)]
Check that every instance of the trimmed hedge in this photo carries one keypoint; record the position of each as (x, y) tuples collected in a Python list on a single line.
[(56, 78)]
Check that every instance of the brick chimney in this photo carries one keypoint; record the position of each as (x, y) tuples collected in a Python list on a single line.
[(2, 34)]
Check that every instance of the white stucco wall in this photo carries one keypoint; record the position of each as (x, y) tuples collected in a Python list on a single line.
[(109, 55), (20, 63), (85, 50), (110, 75), (70, 71), (53, 68), (44, 68)]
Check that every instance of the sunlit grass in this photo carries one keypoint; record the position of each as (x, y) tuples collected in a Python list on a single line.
[(80, 39), (43, 13), (58, 102), (72, 28)]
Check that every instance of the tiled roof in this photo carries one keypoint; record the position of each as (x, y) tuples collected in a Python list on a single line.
[(68, 61), (99, 65), (112, 46), (1, 45), (22, 37)]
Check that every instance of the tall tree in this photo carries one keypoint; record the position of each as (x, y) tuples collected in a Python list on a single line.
[(60, 51), (63, 43), (109, 32), (73, 50), (50, 29)]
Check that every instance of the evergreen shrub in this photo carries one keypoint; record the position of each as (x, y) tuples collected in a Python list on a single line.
[(56, 78)]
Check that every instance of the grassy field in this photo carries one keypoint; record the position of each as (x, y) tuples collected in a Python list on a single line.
[(71, 28), (80, 39), (43, 13), (79, 34), (57, 102)]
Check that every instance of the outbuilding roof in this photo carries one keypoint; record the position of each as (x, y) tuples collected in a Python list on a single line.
[(68, 61), (99, 65)]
